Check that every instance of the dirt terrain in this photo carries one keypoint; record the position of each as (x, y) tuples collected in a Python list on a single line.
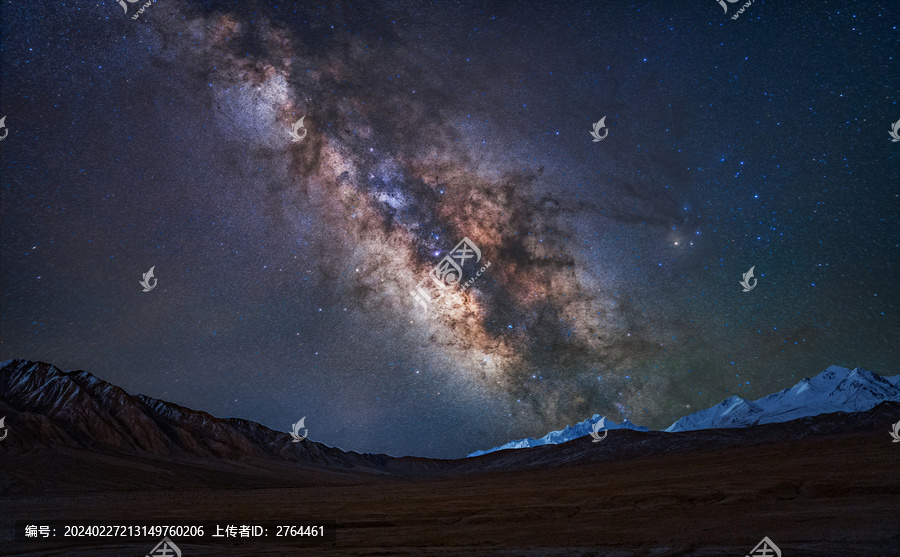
[(836, 496)]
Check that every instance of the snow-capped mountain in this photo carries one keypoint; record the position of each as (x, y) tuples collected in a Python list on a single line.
[(48, 408), (837, 389), (563, 435)]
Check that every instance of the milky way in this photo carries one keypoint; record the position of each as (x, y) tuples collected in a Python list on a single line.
[(388, 196), (286, 267)]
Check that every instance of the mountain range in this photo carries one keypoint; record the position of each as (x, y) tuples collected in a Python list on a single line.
[(48, 407), (837, 389), (76, 413), (77, 447)]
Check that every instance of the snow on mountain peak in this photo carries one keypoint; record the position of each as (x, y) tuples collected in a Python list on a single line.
[(563, 435), (835, 389)]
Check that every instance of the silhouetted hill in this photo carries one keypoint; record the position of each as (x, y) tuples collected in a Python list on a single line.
[(104, 432)]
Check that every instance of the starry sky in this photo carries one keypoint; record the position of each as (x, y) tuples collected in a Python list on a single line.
[(285, 268)]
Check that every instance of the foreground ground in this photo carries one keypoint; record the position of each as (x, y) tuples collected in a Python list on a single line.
[(832, 496)]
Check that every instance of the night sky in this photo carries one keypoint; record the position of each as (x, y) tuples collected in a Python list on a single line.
[(285, 269)]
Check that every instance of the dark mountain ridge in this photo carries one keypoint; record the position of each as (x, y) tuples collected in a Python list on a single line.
[(84, 419), (50, 408)]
